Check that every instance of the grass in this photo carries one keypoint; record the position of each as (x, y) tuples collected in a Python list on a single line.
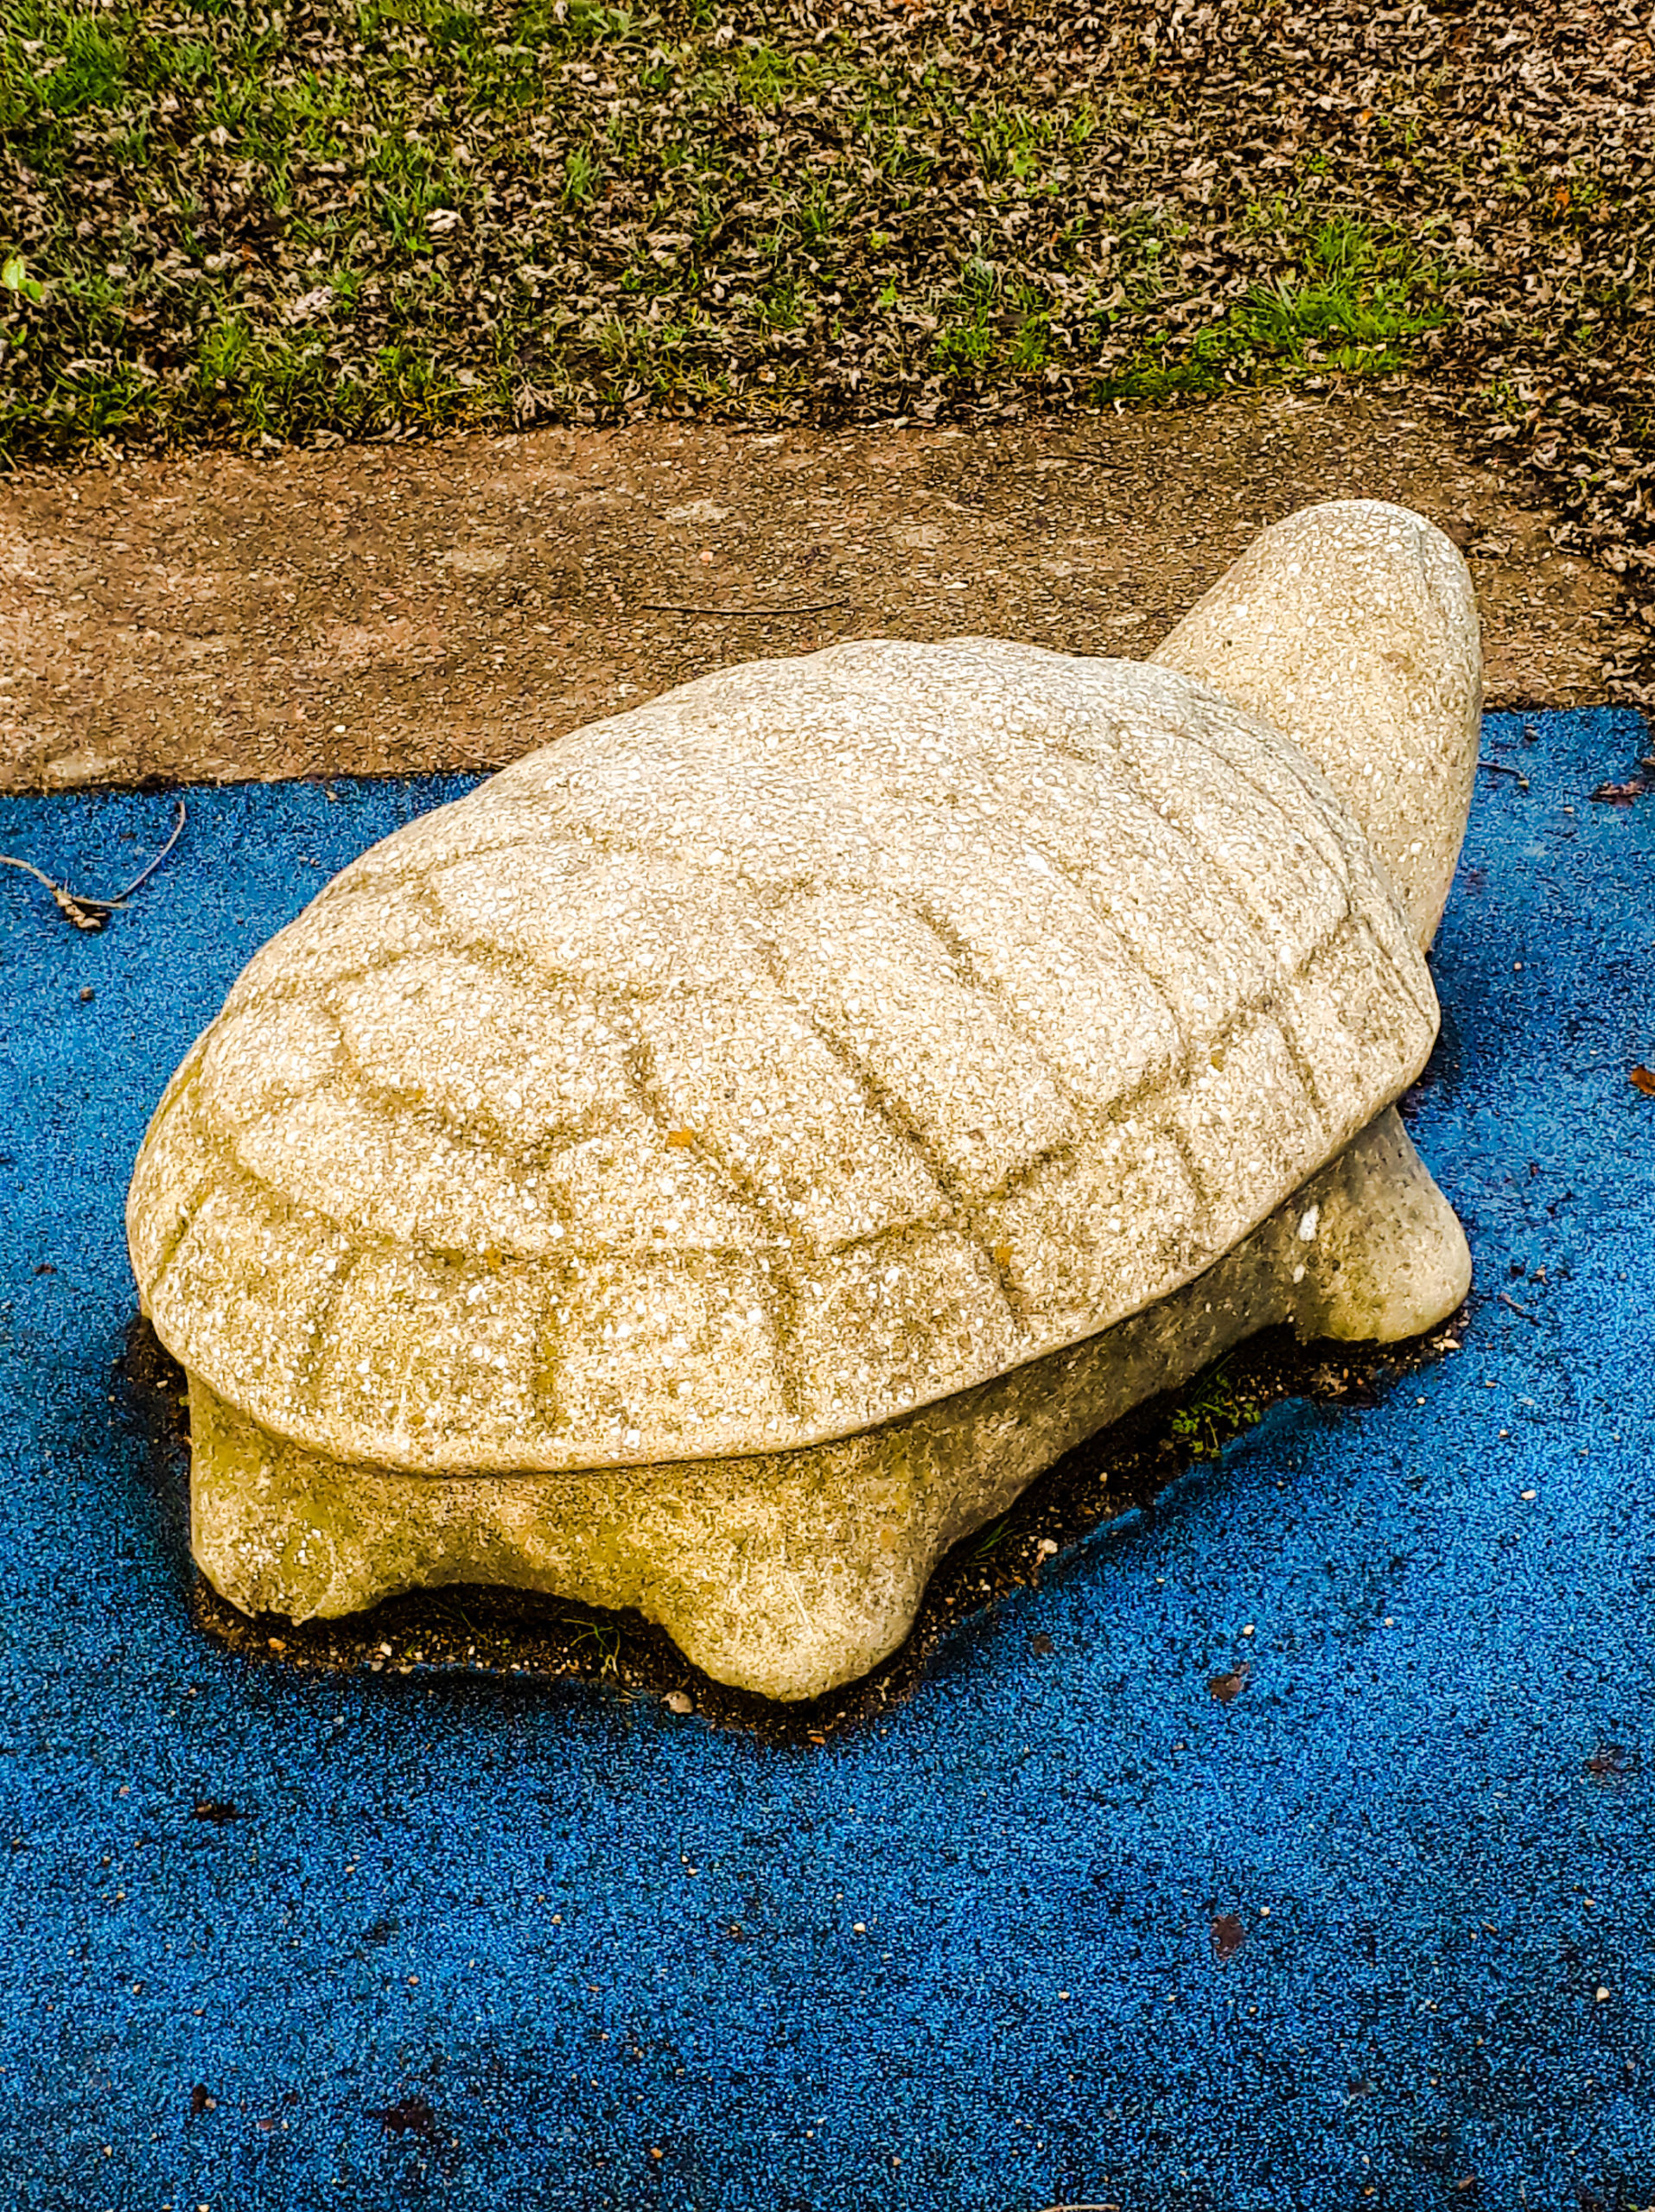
[(255, 224), (329, 219), (596, 1641), (1351, 302)]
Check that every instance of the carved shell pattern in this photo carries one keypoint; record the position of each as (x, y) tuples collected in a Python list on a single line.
[(809, 1044)]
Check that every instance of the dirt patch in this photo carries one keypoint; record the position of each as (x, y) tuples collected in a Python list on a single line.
[(401, 607), (518, 1639)]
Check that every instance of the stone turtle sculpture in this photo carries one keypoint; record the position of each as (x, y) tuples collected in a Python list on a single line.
[(717, 1164)]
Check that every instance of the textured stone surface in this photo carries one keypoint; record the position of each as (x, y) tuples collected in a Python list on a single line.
[(756, 1071), (1352, 627)]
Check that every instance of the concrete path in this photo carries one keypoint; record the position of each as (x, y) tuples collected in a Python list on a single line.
[(1379, 1930)]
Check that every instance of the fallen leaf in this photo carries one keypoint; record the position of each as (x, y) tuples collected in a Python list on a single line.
[(212, 1808), (1227, 1687), (1622, 794), (1644, 1079), (680, 1139), (1041, 1646), (1228, 1934), (409, 2115)]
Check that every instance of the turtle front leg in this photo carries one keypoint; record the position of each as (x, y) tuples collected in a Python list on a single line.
[(1369, 1248)]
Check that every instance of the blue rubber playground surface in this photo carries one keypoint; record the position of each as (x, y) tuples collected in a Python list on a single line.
[(1065, 1928)]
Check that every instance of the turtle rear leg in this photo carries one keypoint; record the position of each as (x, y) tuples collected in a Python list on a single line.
[(1370, 1248)]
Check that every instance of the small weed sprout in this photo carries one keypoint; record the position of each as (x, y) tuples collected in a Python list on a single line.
[(603, 1637), (1213, 1411)]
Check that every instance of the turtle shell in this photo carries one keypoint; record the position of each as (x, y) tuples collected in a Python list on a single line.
[(751, 1068)]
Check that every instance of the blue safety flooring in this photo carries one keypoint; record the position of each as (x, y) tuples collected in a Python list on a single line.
[(466, 1946)]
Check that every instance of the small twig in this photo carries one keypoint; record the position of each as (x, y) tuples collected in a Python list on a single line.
[(144, 874), (735, 614), (84, 910), (1499, 768), (1516, 1308), (84, 915)]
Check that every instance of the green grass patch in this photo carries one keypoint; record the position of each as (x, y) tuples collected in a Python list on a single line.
[(1219, 1405), (1353, 301), (235, 223)]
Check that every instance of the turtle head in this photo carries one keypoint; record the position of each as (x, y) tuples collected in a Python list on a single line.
[(1352, 628)]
